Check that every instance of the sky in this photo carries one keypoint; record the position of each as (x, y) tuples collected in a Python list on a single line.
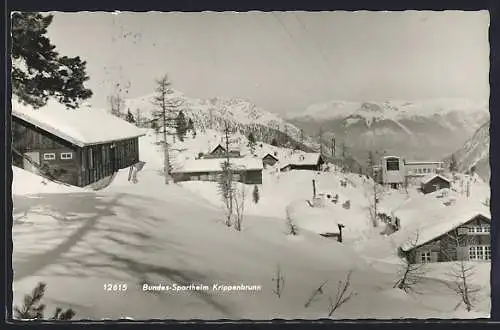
[(282, 61)]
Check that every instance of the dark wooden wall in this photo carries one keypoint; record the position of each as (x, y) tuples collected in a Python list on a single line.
[(248, 177), (445, 246), (29, 138), (429, 186), (88, 164), (102, 160)]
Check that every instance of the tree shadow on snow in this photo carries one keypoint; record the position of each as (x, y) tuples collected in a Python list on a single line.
[(106, 248)]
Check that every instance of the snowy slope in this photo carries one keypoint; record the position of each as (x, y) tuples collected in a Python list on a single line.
[(156, 234), (475, 152), (212, 113), (24, 183)]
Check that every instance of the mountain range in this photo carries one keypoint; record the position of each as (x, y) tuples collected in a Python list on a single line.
[(423, 130)]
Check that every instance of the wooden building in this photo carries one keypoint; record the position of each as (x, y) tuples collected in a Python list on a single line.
[(423, 168), (303, 161), (469, 239), (75, 146), (247, 170), (220, 152), (269, 160), (433, 183)]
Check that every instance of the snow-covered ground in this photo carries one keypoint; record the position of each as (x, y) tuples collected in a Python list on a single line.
[(78, 240)]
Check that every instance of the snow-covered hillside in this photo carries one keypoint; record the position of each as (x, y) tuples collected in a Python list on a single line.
[(476, 152), (212, 113), (152, 233), (423, 130)]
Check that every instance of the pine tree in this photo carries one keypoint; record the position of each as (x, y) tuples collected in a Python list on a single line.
[(38, 70), (33, 309), (130, 117), (252, 143), (190, 125), (164, 108), (274, 142), (453, 164), (181, 125), (255, 194)]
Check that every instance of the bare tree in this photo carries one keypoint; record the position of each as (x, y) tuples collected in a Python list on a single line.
[(239, 205), (316, 292), (279, 282), (226, 184), (461, 274), (410, 274), (373, 197), (291, 227), (138, 118), (116, 100), (342, 295)]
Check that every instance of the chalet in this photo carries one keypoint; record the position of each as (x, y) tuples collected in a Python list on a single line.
[(458, 232), (269, 160), (75, 146), (433, 183), (303, 161), (246, 170), (421, 168), (220, 152)]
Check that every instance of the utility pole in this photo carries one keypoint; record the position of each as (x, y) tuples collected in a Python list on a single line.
[(286, 135), (321, 140), (333, 147), (166, 160)]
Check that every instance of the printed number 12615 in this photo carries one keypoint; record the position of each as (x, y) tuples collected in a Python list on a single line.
[(115, 287)]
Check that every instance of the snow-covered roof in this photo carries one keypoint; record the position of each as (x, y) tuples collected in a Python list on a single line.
[(428, 178), (214, 164), (83, 126), (430, 223), (422, 162), (302, 158), (271, 155)]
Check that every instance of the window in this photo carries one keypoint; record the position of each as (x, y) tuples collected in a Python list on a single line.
[(66, 155), (487, 252), (392, 164), (480, 252), (479, 230), (49, 156), (425, 257)]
